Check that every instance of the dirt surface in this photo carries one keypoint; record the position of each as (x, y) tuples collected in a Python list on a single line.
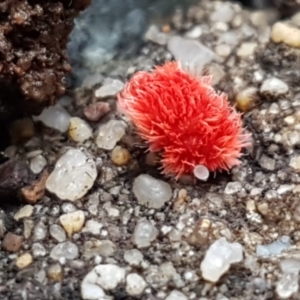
[(255, 204), (33, 59)]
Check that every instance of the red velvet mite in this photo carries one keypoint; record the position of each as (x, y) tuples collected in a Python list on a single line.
[(184, 118)]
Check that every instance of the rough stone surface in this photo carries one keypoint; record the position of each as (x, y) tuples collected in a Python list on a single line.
[(67, 250), (176, 295), (191, 52), (106, 276), (24, 260), (110, 133), (135, 284), (110, 88), (274, 248), (73, 176), (219, 257), (151, 192), (79, 130), (144, 234), (283, 33), (72, 222), (56, 117), (274, 87), (25, 211)]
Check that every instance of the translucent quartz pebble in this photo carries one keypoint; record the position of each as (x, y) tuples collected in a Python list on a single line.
[(218, 258), (55, 117), (201, 172), (74, 174)]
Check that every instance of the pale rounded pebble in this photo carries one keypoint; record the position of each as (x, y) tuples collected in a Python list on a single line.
[(191, 52), (28, 226), (90, 290), (68, 207), (38, 250), (218, 258), (201, 172), (110, 88), (223, 50), (66, 250), (263, 208), (274, 87), (37, 164), (223, 13), (40, 276), (290, 265), (151, 192), (287, 285), (72, 222), (93, 227), (55, 117), (120, 156), (110, 133), (176, 295), (104, 248), (74, 174), (57, 232), (108, 276), (246, 49), (154, 35), (144, 233), (55, 272), (267, 163), (232, 188), (24, 260), (40, 231), (246, 99), (135, 284), (295, 163), (112, 211), (79, 130), (194, 33), (25, 212), (133, 256), (284, 33)]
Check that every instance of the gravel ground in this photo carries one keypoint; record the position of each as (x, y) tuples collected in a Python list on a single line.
[(126, 232)]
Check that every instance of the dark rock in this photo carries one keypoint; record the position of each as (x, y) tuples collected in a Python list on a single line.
[(14, 175)]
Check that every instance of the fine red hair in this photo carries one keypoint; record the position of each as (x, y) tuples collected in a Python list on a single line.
[(184, 118)]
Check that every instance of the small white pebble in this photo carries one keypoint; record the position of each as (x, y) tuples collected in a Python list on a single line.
[(135, 284), (110, 133), (201, 172), (37, 164), (55, 117), (79, 130), (74, 174)]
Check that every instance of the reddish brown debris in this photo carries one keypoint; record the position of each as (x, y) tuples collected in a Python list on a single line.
[(94, 112), (33, 40), (12, 242), (34, 192)]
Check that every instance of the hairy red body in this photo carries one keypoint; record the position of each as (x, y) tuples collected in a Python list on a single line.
[(185, 118)]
